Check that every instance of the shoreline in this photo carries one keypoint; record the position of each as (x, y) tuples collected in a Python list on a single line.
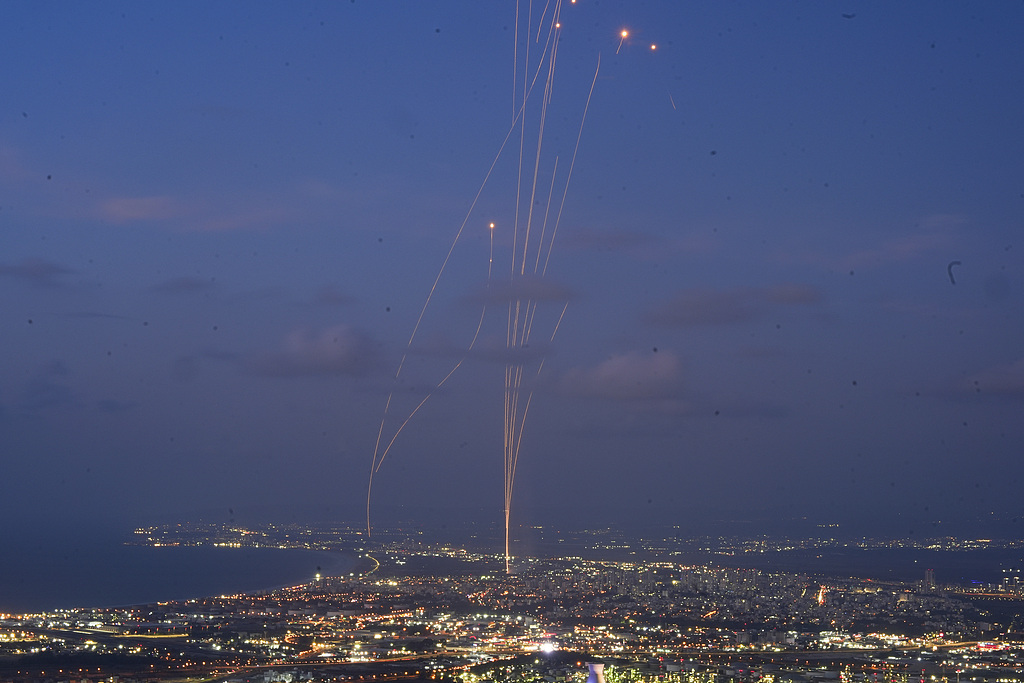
[(103, 576), (337, 555)]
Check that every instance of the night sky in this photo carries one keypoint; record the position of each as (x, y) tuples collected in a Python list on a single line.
[(791, 250)]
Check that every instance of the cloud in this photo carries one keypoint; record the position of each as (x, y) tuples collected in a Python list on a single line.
[(730, 306), (897, 250), (194, 214), (789, 294), (496, 350), (239, 220), (935, 233), (36, 272), (706, 307), (491, 349), (526, 288), (627, 377), (131, 209), (331, 296), (608, 240), (1002, 380), (339, 350), (641, 246)]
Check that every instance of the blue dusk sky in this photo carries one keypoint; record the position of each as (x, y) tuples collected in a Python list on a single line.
[(787, 273)]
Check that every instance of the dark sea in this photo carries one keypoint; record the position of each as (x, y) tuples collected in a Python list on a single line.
[(959, 567), (92, 570)]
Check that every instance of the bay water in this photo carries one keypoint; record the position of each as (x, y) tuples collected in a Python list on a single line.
[(39, 573)]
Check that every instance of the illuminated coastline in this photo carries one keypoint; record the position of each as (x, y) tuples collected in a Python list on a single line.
[(440, 610)]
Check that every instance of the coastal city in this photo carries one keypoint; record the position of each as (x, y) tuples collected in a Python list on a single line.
[(413, 607), (532, 341)]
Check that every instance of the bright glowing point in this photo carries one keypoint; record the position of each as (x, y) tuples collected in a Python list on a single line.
[(558, 25), (654, 47), (547, 647), (622, 38), (492, 226)]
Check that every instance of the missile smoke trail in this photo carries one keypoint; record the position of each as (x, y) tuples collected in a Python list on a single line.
[(530, 253)]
